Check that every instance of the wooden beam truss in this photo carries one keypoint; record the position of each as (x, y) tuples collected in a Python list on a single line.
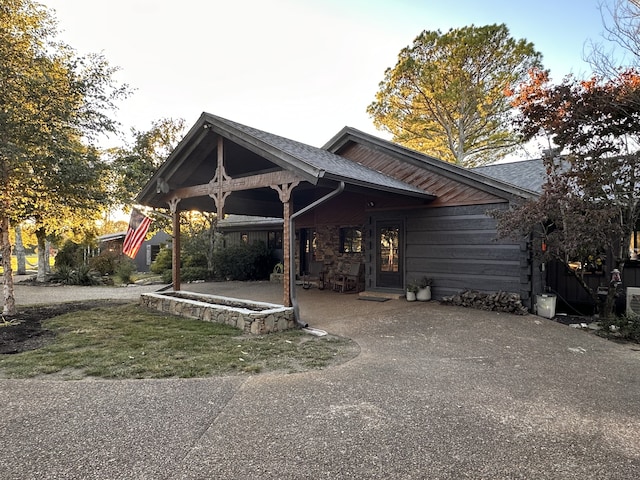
[(219, 188)]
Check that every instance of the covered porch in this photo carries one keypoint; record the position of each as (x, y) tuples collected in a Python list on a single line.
[(228, 168)]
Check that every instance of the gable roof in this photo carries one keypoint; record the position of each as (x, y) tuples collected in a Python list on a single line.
[(527, 174), (470, 177), (310, 163)]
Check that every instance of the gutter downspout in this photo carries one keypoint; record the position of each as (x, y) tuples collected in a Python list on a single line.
[(292, 250)]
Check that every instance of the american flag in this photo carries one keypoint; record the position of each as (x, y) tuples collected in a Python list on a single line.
[(138, 226)]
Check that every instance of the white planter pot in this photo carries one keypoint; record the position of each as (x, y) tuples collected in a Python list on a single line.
[(424, 294), (411, 296)]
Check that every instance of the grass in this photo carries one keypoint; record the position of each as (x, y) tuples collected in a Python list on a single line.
[(128, 341), (32, 262)]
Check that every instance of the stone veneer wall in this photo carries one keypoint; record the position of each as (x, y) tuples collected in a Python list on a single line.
[(251, 317), (328, 249)]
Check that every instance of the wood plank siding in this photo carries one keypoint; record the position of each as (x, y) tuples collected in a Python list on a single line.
[(572, 298), (457, 246), (448, 190)]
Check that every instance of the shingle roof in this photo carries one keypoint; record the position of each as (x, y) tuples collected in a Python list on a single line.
[(527, 174), (326, 164), (231, 221)]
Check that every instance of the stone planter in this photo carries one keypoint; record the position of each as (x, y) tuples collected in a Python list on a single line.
[(411, 296), (424, 294)]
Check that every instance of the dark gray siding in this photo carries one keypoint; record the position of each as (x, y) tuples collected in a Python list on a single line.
[(235, 238), (459, 249)]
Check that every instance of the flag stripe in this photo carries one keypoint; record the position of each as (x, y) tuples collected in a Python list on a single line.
[(138, 226)]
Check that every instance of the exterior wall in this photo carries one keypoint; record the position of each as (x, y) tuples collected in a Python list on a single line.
[(572, 297), (327, 249), (149, 249), (459, 249), (234, 237)]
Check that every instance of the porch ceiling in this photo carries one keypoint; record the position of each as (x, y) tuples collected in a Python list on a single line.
[(249, 152)]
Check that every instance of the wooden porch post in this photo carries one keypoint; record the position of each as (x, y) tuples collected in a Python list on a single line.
[(286, 238), (175, 253), (284, 192)]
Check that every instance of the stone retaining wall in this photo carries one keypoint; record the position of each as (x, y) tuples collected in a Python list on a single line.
[(249, 316)]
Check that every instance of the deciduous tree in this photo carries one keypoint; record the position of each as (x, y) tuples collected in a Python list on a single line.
[(134, 164), (53, 104), (591, 200), (446, 94), (620, 48)]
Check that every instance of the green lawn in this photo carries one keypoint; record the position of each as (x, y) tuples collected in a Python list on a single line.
[(129, 341), (32, 263)]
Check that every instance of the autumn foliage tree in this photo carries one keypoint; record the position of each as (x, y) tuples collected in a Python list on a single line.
[(446, 94), (590, 203)]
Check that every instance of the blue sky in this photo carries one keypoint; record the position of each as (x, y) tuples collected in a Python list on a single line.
[(301, 69)]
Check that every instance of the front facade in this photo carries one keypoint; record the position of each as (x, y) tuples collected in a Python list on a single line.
[(398, 213)]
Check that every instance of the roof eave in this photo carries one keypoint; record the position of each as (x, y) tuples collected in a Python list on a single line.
[(383, 188), (349, 134)]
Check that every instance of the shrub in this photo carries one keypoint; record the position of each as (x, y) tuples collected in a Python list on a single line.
[(82, 275), (167, 276), (70, 255), (124, 270), (162, 262), (627, 328), (105, 263), (243, 262), (192, 274), (194, 260)]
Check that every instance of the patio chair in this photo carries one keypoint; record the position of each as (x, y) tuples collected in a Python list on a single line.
[(315, 274), (348, 279)]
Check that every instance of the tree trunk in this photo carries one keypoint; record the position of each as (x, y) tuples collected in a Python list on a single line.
[(41, 236), (9, 300), (18, 249), (47, 257), (609, 304)]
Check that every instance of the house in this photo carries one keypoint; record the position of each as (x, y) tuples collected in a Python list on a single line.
[(399, 213), (235, 229), (148, 250)]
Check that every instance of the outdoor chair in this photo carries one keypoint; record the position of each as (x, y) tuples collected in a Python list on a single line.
[(315, 274), (348, 279)]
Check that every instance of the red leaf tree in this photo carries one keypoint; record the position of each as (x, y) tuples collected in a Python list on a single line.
[(590, 203)]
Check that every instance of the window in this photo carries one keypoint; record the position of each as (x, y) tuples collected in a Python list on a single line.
[(389, 260), (152, 253), (274, 240), (350, 240)]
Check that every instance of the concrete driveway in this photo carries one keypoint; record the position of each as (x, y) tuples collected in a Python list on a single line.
[(436, 393)]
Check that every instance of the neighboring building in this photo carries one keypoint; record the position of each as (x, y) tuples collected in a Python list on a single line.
[(148, 250), (236, 229), (398, 212)]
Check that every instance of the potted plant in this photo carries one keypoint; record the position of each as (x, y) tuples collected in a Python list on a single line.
[(412, 290), (424, 289)]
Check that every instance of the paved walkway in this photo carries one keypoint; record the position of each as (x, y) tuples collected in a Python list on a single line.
[(436, 393)]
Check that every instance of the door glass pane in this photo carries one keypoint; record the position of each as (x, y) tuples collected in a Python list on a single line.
[(389, 249)]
